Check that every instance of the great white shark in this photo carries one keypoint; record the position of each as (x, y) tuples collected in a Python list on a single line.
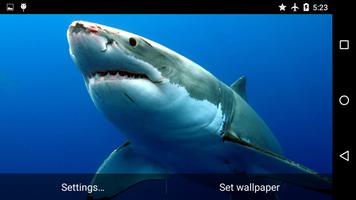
[(177, 117)]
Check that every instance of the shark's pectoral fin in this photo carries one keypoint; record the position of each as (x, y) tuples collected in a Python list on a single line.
[(239, 87), (291, 172), (122, 169), (267, 164)]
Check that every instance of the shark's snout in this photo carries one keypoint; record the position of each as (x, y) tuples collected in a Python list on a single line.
[(87, 36), (104, 53), (77, 26), (93, 49)]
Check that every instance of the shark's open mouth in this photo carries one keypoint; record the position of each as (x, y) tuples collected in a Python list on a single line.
[(116, 75)]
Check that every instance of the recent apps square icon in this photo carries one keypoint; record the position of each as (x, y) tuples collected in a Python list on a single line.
[(344, 44)]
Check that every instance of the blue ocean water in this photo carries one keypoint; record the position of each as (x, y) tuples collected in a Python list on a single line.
[(48, 123)]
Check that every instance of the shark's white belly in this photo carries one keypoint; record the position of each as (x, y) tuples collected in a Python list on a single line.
[(176, 116), (184, 133)]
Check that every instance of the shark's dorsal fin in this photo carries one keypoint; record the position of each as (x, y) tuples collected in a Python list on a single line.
[(239, 87)]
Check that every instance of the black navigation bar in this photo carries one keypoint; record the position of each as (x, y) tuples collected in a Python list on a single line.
[(343, 97)]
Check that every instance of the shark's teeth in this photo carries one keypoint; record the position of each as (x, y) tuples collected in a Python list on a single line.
[(114, 75)]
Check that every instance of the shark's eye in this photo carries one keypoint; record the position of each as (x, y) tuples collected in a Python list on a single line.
[(133, 42)]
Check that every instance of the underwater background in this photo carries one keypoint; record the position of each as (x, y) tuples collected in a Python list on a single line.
[(48, 123)]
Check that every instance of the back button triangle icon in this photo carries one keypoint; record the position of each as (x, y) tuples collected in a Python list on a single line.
[(345, 155)]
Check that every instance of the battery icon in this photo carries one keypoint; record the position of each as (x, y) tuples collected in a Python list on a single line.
[(306, 7)]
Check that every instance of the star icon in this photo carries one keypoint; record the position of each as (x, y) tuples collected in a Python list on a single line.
[(282, 7)]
